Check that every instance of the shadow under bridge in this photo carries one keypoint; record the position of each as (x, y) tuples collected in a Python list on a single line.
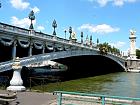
[(88, 63)]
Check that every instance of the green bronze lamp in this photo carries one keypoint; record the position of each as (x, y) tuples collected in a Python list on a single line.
[(31, 17)]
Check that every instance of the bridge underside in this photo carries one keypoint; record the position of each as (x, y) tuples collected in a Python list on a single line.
[(82, 66), (78, 66)]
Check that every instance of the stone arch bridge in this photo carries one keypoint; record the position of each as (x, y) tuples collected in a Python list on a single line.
[(33, 47)]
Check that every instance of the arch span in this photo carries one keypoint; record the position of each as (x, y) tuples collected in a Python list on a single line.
[(63, 56)]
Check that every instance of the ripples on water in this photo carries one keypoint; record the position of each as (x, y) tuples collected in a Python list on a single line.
[(121, 84)]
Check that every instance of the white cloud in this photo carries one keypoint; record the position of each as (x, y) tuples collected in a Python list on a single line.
[(35, 9), (103, 3), (19, 4), (118, 44), (24, 23), (118, 2), (122, 2), (100, 29), (40, 28), (131, 1)]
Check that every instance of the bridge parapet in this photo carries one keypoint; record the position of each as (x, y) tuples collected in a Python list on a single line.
[(46, 38), (10, 28)]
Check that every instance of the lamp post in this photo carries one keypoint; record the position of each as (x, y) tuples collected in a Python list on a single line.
[(54, 25), (70, 31), (0, 4), (91, 40), (65, 33), (81, 37), (31, 17)]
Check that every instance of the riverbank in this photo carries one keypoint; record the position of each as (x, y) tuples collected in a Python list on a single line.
[(40, 98)]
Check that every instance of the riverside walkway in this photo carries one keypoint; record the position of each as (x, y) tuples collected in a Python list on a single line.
[(33, 98), (37, 98)]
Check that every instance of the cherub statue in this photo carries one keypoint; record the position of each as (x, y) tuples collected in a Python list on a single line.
[(73, 36)]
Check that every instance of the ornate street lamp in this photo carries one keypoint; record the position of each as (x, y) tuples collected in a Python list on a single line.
[(31, 17), (54, 25), (82, 37), (90, 40), (70, 31), (65, 33), (0, 4)]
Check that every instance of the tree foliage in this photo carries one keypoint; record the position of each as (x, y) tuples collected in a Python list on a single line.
[(138, 53), (105, 48)]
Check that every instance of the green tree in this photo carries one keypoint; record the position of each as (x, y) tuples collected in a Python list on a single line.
[(138, 53), (105, 47)]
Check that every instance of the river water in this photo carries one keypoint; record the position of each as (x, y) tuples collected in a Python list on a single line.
[(120, 84)]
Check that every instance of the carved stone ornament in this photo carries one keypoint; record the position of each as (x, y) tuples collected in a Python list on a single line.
[(16, 64)]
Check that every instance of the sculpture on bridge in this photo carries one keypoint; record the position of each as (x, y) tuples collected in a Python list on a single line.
[(73, 37), (103, 49), (132, 32)]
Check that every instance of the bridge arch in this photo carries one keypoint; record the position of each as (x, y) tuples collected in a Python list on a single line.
[(58, 56), (62, 56)]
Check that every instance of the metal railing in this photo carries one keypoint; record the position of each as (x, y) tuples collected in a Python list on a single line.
[(41, 81), (75, 98), (4, 82)]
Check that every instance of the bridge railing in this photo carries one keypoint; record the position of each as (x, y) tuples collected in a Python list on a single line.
[(76, 98), (6, 66), (13, 28), (43, 35)]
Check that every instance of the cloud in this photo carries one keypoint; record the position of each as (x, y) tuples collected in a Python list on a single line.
[(35, 9), (118, 44), (103, 3), (131, 1), (19, 4), (118, 2), (100, 29), (24, 23), (40, 28), (122, 2)]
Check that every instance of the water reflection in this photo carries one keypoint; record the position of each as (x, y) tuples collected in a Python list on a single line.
[(122, 84)]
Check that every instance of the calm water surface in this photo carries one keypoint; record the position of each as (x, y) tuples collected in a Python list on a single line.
[(122, 84)]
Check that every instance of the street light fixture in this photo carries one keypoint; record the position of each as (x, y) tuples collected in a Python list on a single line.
[(82, 37), (54, 25), (0, 4), (65, 33), (70, 31), (31, 17)]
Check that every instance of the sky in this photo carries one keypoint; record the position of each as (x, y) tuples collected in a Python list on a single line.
[(108, 20)]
